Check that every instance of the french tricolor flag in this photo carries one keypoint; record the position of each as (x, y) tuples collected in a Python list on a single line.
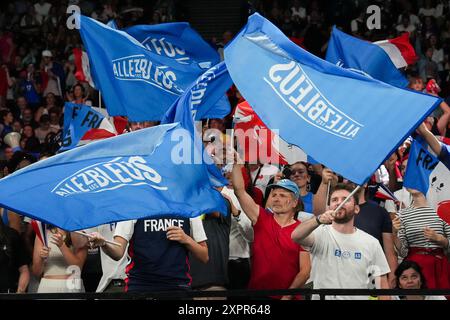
[(380, 60), (384, 193), (83, 69), (399, 49), (41, 231), (108, 128)]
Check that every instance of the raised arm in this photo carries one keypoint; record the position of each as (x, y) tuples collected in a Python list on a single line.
[(320, 198), (432, 141), (302, 234), (247, 203)]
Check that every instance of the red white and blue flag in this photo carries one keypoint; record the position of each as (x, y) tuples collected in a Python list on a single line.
[(384, 193), (259, 143), (41, 231), (399, 50)]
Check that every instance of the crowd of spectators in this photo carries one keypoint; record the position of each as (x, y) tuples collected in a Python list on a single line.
[(37, 76)]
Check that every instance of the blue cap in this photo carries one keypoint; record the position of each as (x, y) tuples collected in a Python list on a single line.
[(286, 184)]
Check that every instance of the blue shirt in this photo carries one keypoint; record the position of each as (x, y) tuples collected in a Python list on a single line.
[(157, 263), (30, 92), (308, 202)]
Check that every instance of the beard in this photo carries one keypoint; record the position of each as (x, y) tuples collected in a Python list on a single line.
[(345, 218)]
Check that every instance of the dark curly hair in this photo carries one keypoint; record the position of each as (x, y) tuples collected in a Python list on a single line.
[(408, 264)]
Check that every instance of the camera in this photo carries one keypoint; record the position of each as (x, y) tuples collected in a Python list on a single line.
[(287, 172)]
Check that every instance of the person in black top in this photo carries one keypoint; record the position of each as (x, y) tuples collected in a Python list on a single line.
[(14, 260), (377, 222)]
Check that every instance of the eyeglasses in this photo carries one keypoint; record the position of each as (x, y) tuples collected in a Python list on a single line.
[(299, 171)]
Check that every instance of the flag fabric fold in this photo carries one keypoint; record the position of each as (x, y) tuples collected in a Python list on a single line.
[(200, 99), (176, 40)]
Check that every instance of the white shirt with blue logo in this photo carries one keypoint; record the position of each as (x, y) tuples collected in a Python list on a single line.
[(346, 261)]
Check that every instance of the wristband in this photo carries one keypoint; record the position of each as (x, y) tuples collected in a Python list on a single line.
[(318, 220)]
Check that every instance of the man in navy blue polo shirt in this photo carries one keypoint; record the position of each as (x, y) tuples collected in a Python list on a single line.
[(158, 251)]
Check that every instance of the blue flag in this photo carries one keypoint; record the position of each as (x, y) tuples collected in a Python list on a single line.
[(134, 81), (176, 40), (130, 176), (425, 173), (342, 119), (201, 99), (364, 57), (421, 164), (78, 119)]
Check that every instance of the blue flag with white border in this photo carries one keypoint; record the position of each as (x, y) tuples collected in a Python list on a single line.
[(134, 81), (130, 176), (345, 120), (365, 57), (78, 119)]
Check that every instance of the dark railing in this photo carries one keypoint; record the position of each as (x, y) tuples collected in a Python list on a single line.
[(244, 294)]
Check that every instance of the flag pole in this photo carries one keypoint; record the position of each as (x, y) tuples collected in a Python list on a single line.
[(327, 200), (346, 199), (89, 236), (99, 99)]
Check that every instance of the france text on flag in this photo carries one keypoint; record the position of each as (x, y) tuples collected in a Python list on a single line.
[(83, 123), (342, 119), (134, 81), (364, 57), (428, 175), (130, 176)]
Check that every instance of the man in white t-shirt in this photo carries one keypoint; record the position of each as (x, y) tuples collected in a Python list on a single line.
[(343, 257)]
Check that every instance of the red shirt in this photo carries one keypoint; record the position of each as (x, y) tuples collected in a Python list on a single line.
[(275, 259)]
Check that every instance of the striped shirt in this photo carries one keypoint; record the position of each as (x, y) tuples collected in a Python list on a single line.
[(414, 220)]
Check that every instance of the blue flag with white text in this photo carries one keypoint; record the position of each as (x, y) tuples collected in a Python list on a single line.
[(345, 120), (134, 81), (176, 40), (425, 173), (200, 99), (130, 176), (423, 169), (364, 57), (78, 119)]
